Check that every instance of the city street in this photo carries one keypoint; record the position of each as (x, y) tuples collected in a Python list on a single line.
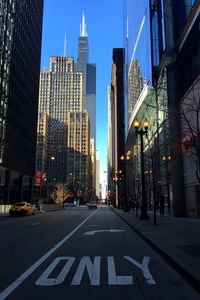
[(77, 253)]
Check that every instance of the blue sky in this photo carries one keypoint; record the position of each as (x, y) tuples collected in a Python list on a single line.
[(104, 20)]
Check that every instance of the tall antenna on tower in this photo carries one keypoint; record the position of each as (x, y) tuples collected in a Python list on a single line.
[(65, 43)]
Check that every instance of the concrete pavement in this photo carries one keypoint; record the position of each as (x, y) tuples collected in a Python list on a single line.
[(176, 239)]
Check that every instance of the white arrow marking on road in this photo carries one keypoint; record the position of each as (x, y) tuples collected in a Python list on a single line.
[(93, 232)]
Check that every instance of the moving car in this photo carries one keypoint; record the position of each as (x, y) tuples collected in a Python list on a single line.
[(92, 204), (22, 208)]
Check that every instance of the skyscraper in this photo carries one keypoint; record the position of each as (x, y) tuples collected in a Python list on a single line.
[(19, 84), (60, 92), (117, 126), (78, 156), (89, 87)]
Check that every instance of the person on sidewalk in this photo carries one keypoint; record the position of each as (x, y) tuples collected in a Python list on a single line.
[(162, 205)]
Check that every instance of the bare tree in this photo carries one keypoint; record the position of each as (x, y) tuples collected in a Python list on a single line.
[(190, 119), (61, 193)]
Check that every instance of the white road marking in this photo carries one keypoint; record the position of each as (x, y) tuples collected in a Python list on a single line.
[(113, 279), (92, 268), (144, 267), (34, 224), (45, 281), (28, 272), (93, 232)]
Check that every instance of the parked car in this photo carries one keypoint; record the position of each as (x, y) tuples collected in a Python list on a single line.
[(92, 204), (22, 208)]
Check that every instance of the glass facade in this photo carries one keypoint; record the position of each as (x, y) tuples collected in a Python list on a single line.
[(174, 69), (23, 83), (144, 36), (6, 20), (137, 52)]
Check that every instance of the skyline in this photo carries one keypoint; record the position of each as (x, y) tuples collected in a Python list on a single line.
[(103, 36)]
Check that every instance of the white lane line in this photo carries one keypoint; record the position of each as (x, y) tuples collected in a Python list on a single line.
[(28, 272)]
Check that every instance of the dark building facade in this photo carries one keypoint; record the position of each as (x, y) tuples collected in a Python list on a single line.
[(176, 51), (116, 174), (23, 22)]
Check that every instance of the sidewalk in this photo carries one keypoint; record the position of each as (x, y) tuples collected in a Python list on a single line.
[(177, 239)]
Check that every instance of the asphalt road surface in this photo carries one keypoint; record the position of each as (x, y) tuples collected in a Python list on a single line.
[(84, 254)]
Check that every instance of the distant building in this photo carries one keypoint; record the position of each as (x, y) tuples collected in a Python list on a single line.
[(116, 121), (111, 186), (89, 87), (20, 35), (61, 91), (78, 151), (97, 173)]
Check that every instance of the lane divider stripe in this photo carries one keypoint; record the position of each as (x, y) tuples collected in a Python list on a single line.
[(5, 293)]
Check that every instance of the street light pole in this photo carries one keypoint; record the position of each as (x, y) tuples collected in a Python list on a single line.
[(115, 179), (125, 158), (167, 158), (141, 133)]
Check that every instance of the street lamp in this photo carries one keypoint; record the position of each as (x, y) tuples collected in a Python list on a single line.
[(167, 158), (115, 179), (125, 158), (141, 132)]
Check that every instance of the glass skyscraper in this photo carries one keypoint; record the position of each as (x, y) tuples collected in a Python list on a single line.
[(19, 85), (66, 120), (89, 88)]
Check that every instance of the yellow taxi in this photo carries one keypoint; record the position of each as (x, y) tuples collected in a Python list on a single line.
[(22, 208)]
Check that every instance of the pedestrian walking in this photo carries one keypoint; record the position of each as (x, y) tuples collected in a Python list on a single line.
[(162, 205)]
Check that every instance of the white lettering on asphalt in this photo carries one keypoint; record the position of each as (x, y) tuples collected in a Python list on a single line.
[(144, 267), (92, 268), (44, 279), (113, 279), (5, 293)]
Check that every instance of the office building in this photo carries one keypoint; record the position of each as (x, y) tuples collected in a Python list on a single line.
[(78, 153), (89, 87), (117, 134), (60, 92), (170, 65), (19, 86), (97, 174), (175, 50)]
